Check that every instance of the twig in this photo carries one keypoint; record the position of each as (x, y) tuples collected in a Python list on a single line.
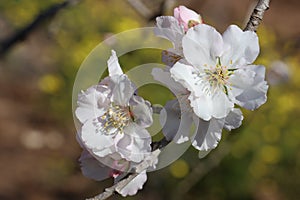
[(20, 35), (257, 15), (121, 184)]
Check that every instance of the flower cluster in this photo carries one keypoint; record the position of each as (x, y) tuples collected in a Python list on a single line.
[(113, 133), (209, 73)]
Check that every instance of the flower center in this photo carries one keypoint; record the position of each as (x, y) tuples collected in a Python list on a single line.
[(115, 119), (215, 78)]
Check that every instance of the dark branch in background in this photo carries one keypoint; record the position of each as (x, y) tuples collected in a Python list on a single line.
[(150, 14), (39, 20), (257, 15)]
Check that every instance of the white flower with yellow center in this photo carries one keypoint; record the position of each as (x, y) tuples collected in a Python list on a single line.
[(178, 118), (114, 119), (217, 71)]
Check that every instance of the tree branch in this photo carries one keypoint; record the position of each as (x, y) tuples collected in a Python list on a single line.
[(257, 15), (21, 35)]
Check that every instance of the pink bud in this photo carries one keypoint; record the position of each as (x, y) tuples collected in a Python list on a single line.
[(186, 17)]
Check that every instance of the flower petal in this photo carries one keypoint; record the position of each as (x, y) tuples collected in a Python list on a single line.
[(134, 144), (133, 186), (234, 119), (247, 91), (184, 15), (94, 139), (114, 67), (242, 46), (176, 126), (142, 111), (91, 104), (169, 28), (221, 105), (184, 74), (202, 45), (208, 134), (202, 106), (123, 90), (92, 168)]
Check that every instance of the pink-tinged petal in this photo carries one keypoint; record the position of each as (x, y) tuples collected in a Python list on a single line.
[(185, 15), (202, 45), (249, 92), (114, 67), (94, 139), (92, 168), (134, 185), (242, 47), (208, 134)]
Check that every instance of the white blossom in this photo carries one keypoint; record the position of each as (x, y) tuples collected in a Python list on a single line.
[(179, 118), (217, 71), (114, 118)]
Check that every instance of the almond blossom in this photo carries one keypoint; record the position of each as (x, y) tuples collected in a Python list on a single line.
[(217, 70), (113, 132), (178, 118)]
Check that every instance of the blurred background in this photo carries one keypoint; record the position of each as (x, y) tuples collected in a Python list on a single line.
[(43, 43)]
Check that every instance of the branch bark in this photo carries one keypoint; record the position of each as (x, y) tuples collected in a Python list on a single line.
[(257, 15), (39, 19)]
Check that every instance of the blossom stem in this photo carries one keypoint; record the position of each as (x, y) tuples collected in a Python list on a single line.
[(257, 15)]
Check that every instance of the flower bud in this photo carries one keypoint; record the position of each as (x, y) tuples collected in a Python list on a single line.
[(186, 17)]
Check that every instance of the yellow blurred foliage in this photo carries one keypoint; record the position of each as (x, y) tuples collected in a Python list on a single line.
[(50, 83), (179, 168)]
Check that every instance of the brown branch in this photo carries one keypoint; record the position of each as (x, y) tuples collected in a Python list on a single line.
[(257, 15), (23, 33)]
